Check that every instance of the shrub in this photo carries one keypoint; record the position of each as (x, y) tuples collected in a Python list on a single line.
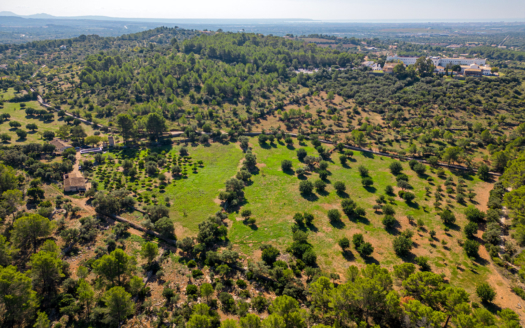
[(470, 229), (367, 182), (270, 254), (344, 243), (389, 221), (473, 214), (422, 261), (306, 187), (334, 215), (192, 264), (343, 159), (389, 190), (320, 185), (191, 290), (363, 171), (357, 240), (309, 218), (197, 273), (241, 283), (298, 218), (485, 292), (310, 258), (447, 217), (323, 174), (402, 245), (339, 186), (286, 165), (396, 168), (471, 247), (365, 249), (388, 210)]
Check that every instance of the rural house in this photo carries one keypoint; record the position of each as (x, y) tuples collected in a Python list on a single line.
[(60, 145), (74, 183)]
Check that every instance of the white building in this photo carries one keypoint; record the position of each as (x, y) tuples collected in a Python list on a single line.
[(438, 61), (372, 65), (63, 47)]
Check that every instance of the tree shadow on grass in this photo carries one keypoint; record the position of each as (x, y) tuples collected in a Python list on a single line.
[(413, 205), (493, 308), (367, 154), (342, 194), (339, 224), (370, 260), (289, 171), (302, 177), (290, 147), (371, 189), (323, 193), (265, 146), (312, 227), (348, 255), (310, 197)]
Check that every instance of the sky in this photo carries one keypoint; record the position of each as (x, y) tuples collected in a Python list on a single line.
[(354, 10)]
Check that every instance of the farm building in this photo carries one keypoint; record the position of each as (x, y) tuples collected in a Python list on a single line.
[(74, 183), (60, 145)]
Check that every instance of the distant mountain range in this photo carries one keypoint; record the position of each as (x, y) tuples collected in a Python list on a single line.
[(163, 20)]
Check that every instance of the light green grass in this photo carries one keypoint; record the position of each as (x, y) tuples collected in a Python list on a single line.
[(18, 114), (274, 198)]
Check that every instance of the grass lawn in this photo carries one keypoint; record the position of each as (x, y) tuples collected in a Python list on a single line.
[(274, 198), (19, 115), (192, 198)]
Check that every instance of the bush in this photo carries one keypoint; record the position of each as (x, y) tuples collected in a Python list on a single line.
[(286, 165), (191, 264), (320, 185), (447, 217), (363, 171), (389, 221), (306, 187), (365, 249), (473, 214), (344, 243), (422, 261), (402, 245), (334, 215), (241, 283), (357, 240), (389, 190), (298, 218), (367, 182), (323, 174), (309, 218), (197, 273), (408, 196), (485, 292), (270, 254), (388, 210), (309, 258), (419, 168), (191, 290), (301, 154), (340, 186), (471, 247), (246, 213), (343, 159), (396, 168), (470, 229)]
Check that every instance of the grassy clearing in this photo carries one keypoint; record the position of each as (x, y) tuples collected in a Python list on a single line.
[(18, 114), (191, 198), (274, 198)]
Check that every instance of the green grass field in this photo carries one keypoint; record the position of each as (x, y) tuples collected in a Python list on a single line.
[(17, 114), (274, 198)]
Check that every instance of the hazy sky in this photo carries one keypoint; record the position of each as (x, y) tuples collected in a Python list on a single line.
[(315, 9)]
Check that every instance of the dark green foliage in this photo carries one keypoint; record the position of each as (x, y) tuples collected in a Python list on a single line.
[(396, 168), (471, 247), (486, 293), (306, 187)]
